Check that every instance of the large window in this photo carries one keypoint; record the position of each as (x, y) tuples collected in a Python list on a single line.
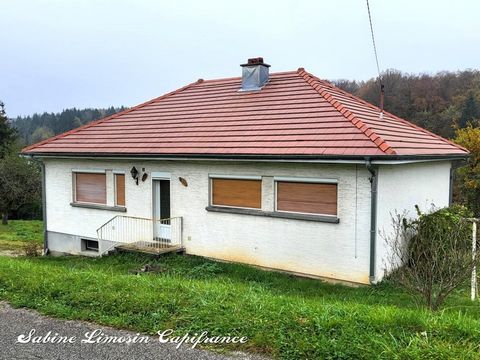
[(90, 188), (235, 192), (120, 189), (306, 197)]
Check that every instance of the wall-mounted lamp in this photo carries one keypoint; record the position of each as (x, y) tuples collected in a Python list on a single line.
[(144, 176), (134, 173)]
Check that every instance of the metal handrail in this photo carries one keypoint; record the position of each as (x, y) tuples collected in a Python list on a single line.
[(159, 234), (109, 221)]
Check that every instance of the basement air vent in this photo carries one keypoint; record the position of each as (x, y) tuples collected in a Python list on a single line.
[(89, 245)]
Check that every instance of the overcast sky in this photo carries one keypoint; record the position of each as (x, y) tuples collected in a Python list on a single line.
[(57, 54)]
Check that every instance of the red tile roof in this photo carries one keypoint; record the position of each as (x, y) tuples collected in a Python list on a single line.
[(295, 114)]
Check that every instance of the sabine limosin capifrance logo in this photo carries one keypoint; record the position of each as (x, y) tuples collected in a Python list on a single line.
[(98, 336)]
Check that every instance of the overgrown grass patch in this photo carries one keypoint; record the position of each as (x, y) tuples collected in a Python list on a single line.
[(19, 233), (283, 316)]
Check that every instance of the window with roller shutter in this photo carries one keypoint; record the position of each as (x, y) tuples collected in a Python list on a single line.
[(241, 193), (90, 188), (120, 189), (307, 198)]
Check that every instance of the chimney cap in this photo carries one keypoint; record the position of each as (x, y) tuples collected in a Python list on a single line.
[(255, 61)]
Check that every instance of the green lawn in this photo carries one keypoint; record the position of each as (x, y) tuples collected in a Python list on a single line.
[(283, 316), (18, 233)]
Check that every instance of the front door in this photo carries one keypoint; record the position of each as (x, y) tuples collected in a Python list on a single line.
[(161, 210)]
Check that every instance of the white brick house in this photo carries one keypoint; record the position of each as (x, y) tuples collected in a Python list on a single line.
[(288, 173)]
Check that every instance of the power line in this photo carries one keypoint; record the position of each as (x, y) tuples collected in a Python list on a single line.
[(382, 87), (373, 40)]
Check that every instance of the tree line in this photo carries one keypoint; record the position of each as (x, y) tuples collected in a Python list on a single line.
[(440, 103), (38, 127)]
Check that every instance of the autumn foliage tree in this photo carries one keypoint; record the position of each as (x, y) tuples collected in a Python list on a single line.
[(468, 176), (438, 102)]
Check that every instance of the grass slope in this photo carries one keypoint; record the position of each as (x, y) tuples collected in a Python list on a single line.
[(19, 233), (284, 316)]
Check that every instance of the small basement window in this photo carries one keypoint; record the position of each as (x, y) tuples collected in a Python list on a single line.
[(90, 187), (306, 197), (120, 189), (236, 192), (89, 245)]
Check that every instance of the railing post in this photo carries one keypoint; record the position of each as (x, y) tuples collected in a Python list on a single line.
[(181, 231), (474, 255)]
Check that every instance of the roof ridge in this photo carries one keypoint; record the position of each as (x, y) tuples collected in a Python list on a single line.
[(113, 116), (317, 85), (376, 108)]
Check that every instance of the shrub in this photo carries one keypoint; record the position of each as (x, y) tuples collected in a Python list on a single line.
[(435, 251)]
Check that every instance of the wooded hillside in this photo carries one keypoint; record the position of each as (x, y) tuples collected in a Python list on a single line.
[(439, 102), (37, 127)]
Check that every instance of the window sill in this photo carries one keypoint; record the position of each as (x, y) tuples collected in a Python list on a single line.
[(99, 207), (274, 214)]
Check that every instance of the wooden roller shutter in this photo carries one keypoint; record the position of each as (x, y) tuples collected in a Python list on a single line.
[(237, 193), (91, 188), (310, 198), (120, 189)]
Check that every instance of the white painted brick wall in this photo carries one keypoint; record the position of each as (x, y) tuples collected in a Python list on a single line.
[(401, 187), (338, 251)]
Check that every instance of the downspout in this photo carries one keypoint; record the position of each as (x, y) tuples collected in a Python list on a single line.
[(373, 216), (44, 205)]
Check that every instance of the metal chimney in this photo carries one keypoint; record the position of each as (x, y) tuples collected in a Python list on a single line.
[(254, 74)]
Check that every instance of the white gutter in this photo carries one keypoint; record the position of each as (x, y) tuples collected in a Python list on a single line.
[(312, 161)]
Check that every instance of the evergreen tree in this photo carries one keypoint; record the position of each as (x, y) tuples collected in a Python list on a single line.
[(7, 133)]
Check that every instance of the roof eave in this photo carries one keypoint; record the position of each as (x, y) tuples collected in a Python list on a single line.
[(423, 157)]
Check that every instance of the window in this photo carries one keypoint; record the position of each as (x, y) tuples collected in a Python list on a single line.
[(120, 189), (307, 197), (90, 188), (243, 193)]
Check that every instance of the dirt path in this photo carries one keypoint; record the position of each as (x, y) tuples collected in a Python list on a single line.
[(11, 253)]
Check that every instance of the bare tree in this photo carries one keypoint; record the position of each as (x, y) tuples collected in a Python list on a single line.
[(432, 253)]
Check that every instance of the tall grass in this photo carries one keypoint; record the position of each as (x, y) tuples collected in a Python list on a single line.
[(283, 316)]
